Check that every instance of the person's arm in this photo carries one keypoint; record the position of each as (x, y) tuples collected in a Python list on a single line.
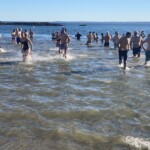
[(143, 45), (119, 46), (110, 37), (129, 44), (30, 42), (68, 39)]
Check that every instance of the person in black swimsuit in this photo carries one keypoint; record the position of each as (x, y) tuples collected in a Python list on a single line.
[(26, 44), (78, 35)]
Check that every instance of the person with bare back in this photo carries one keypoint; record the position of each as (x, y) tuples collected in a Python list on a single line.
[(64, 38), (107, 39), (116, 40), (124, 47)]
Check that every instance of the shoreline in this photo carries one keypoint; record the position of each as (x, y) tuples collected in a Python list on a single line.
[(30, 23)]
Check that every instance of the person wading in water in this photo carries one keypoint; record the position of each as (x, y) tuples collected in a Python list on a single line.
[(25, 45)]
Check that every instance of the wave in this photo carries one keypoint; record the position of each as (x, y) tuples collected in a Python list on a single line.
[(139, 143)]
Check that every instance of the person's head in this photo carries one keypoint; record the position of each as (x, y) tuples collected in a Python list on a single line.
[(107, 33), (102, 34), (25, 34), (135, 33), (148, 35), (128, 34), (63, 31), (22, 34), (116, 33)]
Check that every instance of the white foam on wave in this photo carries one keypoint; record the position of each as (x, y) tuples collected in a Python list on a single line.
[(52, 58), (41, 56), (56, 48), (70, 48), (147, 65), (53, 49), (9, 55), (83, 56), (2, 50), (137, 142)]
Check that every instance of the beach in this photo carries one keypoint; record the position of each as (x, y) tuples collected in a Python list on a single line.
[(84, 102)]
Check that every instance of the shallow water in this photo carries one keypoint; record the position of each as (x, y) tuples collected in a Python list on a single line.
[(84, 102)]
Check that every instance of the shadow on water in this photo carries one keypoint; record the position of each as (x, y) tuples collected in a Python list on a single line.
[(9, 63), (87, 71)]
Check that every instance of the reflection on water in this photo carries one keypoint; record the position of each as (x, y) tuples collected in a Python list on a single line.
[(82, 102)]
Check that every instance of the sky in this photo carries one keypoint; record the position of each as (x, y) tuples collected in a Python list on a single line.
[(75, 10)]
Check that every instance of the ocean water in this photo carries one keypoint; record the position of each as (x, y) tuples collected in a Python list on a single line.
[(84, 102)]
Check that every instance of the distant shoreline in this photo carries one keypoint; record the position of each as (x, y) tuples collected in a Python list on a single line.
[(30, 23)]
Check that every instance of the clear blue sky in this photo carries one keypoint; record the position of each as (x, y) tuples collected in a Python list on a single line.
[(75, 10)]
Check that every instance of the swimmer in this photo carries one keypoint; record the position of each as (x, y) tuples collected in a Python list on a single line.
[(124, 47), (147, 49), (26, 44), (136, 41), (116, 40), (102, 37), (78, 36), (31, 33), (64, 38), (89, 38), (13, 36), (107, 39)]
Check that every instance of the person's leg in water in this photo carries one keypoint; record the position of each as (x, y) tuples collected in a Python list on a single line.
[(134, 52), (139, 52), (61, 48), (147, 55), (125, 59), (65, 51), (26, 56), (120, 58)]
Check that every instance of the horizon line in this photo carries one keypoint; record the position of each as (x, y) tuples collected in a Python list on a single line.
[(72, 21)]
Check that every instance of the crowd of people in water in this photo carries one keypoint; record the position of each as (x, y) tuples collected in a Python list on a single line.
[(123, 43), (24, 38)]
